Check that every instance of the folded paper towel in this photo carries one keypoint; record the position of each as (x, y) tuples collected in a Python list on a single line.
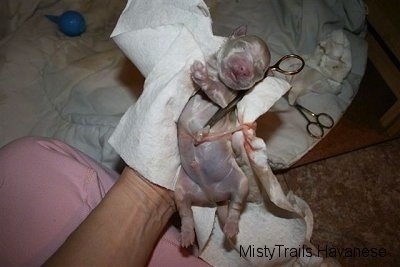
[(163, 38)]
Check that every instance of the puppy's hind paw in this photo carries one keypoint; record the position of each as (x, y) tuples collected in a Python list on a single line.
[(231, 228), (187, 238)]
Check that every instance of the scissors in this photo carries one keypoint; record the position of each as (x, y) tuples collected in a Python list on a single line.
[(315, 126), (288, 65)]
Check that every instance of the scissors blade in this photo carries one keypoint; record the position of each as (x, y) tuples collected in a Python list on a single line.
[(223, 111)]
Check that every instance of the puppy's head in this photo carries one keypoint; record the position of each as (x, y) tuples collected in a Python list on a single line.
[(242, 61)]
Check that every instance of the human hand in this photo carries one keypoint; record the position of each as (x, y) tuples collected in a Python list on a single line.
[(123, 229)]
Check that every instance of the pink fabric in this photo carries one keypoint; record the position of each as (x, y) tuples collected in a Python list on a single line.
[(169, 253), (47, 189)]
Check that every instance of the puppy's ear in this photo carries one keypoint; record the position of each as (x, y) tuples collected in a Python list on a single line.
[(240, 31)]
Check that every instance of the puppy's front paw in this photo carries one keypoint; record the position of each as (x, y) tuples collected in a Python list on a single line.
[(199, 73)]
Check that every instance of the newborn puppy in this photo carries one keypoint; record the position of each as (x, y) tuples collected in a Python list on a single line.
[(209, 173)]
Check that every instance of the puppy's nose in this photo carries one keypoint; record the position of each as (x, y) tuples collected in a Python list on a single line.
[(241, 70)]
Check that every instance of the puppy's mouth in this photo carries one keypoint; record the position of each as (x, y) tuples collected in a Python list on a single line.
[(233, 80)]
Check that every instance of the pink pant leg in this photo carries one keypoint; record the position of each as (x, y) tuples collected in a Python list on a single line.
[(47, 189)]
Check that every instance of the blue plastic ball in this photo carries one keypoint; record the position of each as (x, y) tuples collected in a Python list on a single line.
[(71, 23)]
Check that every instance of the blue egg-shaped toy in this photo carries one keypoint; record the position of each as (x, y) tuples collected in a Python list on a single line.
[(71, 23)]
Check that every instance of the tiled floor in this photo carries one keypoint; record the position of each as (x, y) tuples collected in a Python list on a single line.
[(355, 198)]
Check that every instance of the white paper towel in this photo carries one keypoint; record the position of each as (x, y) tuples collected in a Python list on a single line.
[(163, 38)]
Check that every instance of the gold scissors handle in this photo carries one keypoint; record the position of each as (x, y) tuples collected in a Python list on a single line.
[(296, 60)]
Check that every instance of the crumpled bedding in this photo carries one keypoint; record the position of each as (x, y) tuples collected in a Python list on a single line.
[(76, 89), (72, 89)]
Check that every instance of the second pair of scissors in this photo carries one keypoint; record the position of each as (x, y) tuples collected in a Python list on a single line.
[(316, 122)]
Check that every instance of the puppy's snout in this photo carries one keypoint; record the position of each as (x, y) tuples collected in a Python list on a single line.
[(241, 70)]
